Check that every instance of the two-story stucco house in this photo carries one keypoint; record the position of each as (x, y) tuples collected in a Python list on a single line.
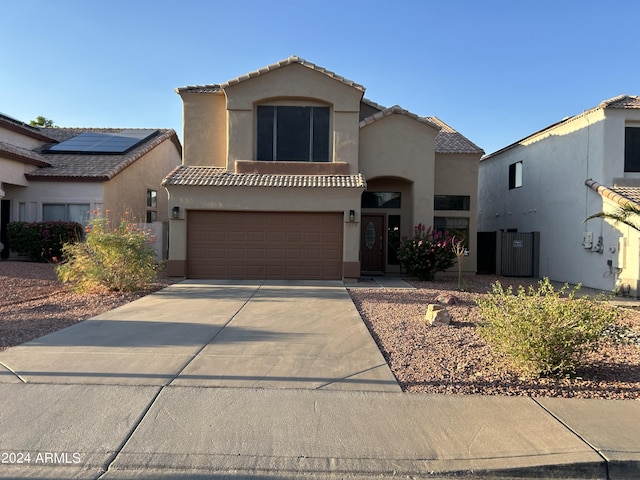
[(51, 174), (552, 180), (289, 173)]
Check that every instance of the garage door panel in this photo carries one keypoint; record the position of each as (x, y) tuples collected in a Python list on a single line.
[(270, 245)]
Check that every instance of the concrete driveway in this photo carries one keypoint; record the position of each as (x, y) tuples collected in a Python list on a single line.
[(216, 334), (231, 380)]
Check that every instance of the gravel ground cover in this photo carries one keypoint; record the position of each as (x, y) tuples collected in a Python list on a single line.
[(454, 359), (445, 359), (33, 302)]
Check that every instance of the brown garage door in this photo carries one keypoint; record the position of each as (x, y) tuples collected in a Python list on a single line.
[(264, 245)]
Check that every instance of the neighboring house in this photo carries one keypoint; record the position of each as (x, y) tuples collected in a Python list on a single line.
[(288, 173), (64, 173), (552, 180)]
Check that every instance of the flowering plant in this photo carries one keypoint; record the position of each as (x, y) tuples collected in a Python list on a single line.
[(42, 241), (427, 252)]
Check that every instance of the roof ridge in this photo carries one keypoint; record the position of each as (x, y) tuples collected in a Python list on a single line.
[(609, 103), (395, 109), (218, 88)]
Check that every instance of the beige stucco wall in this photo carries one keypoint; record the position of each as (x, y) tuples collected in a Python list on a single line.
[(457, 174), (39, 192), (128, 189), (19, 139), (204, 129), (264, 200), (293, 85), (402, 147), (13, 171)]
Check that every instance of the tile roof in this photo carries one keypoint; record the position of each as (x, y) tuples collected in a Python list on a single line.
[(202, 176), (92, 167), (396, 109), (449, 140), (25, 155), (20, 127), (215, 88), (619, 195), (619, 102)]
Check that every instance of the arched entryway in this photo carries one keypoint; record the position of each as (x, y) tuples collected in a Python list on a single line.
[(386, 216)]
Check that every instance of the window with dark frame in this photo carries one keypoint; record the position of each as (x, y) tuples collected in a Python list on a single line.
[(456, 226), (381, 200), (152, 203), (452, 202), (632, 149), (294, 134), (393, 239), (515, 175)]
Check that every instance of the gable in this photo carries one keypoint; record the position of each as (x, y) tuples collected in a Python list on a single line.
[(293, 81)]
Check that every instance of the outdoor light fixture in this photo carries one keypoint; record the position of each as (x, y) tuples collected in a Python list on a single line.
[(175, 212), (352, 215)]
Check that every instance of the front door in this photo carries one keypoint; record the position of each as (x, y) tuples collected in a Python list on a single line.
[(372, 243)]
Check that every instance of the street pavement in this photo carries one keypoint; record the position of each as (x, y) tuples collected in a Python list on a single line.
[(274, 379)]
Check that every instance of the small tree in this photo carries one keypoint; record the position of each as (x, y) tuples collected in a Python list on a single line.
[(113, 257), (426, 253), (459, 250), (41, 121)]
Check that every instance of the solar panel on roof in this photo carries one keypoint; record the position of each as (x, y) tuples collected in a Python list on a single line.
[(103, 143)]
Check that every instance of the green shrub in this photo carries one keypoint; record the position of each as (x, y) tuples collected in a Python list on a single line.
[(113, 257), (42, 241), (426, 253), (543, 331)]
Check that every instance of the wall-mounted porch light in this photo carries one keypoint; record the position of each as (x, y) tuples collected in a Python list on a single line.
[(175, 212), (352, 215)]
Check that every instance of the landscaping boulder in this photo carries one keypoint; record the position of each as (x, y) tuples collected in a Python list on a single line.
[(437, 315)]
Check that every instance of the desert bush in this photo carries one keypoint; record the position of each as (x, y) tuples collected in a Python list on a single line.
[(543, 331), (42, 241), (116, 257), (426, 253)]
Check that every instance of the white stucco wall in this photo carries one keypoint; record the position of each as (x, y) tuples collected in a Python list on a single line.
[(554, 199)]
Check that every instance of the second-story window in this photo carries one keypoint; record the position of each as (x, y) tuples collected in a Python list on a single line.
[(515, 175), (632, 149), (291, 133)]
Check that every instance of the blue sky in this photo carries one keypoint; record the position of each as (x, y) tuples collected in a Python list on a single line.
[(496, 71)]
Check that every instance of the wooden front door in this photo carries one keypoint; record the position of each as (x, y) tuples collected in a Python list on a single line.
[(372, 243)]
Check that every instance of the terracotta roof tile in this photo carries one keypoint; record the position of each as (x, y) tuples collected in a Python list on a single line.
[(191, 175), (619, 195), (215, 88), (93, 167), (621, 101), (449, 140), (396, 109), (22, 154)]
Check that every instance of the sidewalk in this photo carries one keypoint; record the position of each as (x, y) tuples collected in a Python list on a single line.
[(273, 380)]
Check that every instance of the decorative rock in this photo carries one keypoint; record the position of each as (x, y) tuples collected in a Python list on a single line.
[(437, 315), (447, 299)]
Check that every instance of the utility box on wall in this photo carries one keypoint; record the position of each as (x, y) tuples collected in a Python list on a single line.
[(519, 254)]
